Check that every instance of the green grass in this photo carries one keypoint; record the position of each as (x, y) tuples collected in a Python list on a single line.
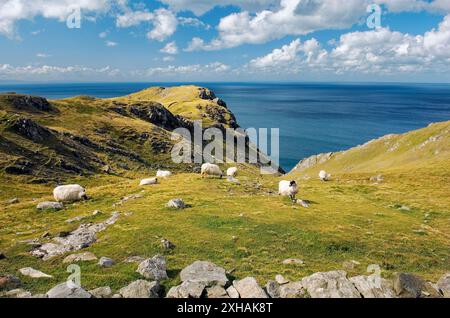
[(251, 233), (246, 229)]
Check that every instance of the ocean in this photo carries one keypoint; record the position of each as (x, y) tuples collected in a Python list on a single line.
[(312, 117)]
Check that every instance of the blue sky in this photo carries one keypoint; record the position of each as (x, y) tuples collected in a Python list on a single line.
[(228, 40)]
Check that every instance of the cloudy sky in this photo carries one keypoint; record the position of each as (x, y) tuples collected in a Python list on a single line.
[(226, 40)]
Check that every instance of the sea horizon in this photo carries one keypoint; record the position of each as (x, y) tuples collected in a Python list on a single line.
[(313, 117)]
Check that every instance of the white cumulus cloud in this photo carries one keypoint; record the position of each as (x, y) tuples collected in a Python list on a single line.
[(170, 48)]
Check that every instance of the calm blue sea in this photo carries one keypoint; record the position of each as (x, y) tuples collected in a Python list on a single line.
[(312, 118)]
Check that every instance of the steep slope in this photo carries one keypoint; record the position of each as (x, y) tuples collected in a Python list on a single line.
[(423, 148), (49, 140)]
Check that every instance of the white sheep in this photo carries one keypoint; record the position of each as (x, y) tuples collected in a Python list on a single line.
[(288, 188), (149, 181), (232, 172), (324, 176), (209, 169), (69, 193), (163, 174)]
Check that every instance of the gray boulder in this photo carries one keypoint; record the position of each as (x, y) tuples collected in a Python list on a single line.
[(370, 287), (444, 285), (141, 289), (249, 288), (411, 286), (106, 262), (33, 273), (153, 268), (68, 290), (232, 292), (281, 280), (47, 205), (330, 285), (101, 292), (293, 290), (17, 293), (273, 289), (216, 292), (204, 272), (187, 289), (176, 204), (81, 257)]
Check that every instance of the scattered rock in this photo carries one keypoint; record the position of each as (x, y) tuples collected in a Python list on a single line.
[(373, 287), (232, 292), (216, 292), (176, 204), (81, 238), (82, 257), (68, 290), (13, 201), (249, 288), (377, 178), (330, 285), (17, 293), (106, 262), (2, 256), (50, 206), (117, 296), (33, 273), (102, 292), (281, 280), (8, 282), (167, 245), (273, 289), (293, 261), (404, 208), (134, 259), (96, 212), (141, 289), (293, 290), (187, 289), (128, 198), (153, 268), (444, 285), (204, 272), (411, 286), (45, 235)]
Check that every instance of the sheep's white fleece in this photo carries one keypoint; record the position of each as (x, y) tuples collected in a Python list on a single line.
[(211, 170), (69, 193)]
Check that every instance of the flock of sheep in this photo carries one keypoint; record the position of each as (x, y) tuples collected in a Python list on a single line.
[(75, 192)]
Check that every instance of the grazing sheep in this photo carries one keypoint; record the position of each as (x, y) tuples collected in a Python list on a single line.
[(209, 169), (163, 174), (324, 176), (232, 172), (288, 188), (69, 193), (149, 181)]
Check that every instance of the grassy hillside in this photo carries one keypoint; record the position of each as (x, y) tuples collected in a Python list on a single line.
[(401, 223)]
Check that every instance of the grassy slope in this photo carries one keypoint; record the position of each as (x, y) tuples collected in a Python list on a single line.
[(351, 218)]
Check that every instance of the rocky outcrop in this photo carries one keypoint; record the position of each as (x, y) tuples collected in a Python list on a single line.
[(330, 285), (141, 289), (68, 290), (33, 273), (249, 288), (312, 161), (153, 268), (411, 286), (373, 287), (81, 238), (204, 272), (27, 102)]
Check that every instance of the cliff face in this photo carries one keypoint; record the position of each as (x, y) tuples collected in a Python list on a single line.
[(50, 140)]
